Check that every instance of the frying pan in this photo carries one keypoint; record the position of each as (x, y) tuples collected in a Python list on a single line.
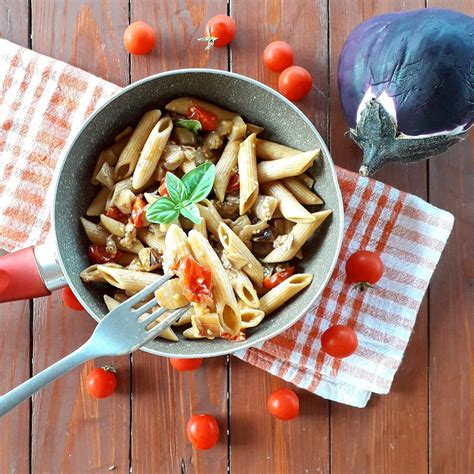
[(35, 272)]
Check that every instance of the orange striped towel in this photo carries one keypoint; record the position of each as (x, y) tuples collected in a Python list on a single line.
[(42, 101)]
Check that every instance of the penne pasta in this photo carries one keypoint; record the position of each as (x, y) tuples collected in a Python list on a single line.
[(201, 227), (243, 287), (170, 295), (182, 105), (296, 239), (289, 205), (265, 207), (176, 247), (284, 291), (286, 167), (97, 206), (247, 162), (152, 151), (252, 128), (226, 304), (251, 317), (156, 242), (134, 246), (267, 150), (124, 134), (239, 129), (237, 253), (185, 319), (96, 234), (110, 156), (128, 280), (91, 273), (306, 180), (112, 226), (301, 192), (105, 176), (226, 167), (212, 217), (130, 154), (207, 325)]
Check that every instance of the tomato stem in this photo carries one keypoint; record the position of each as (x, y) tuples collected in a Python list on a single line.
[(363, 285), (109, 368), (210, 41)]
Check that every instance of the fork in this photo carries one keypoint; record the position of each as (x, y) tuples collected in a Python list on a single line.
[(120, 332)]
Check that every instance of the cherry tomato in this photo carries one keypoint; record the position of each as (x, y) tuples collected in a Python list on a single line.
[(138, 211), (208, 119), (195, 280), (163, 190), (115, 213), (101, 382), (365, 268), (283, 404), (203, 431), (183, 365), (234, 183), (99, 254), (139, 38), (295, 82), (220, 31), (278, 55), (271, 281), (339, 341), (70, 300)]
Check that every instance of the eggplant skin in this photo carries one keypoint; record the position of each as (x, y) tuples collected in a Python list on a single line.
[(423, 60)]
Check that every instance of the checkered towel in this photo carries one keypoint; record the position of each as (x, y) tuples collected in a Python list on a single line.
[(43, 101)]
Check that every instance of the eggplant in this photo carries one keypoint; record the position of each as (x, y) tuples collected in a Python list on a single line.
[(406, 85)]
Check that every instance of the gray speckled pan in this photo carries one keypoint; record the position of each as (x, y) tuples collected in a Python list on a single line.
[(257, 103)]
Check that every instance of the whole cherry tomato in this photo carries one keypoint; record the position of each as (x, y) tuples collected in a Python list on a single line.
[(283, 404), (101, 382), (183, 365), (271, 281), (339, 341), (139, 38), (220, 31), (70, 300), (364, 268), (99, 254), (208, 120), (295, 82), (203, 431), (234, 183), (278, 55)]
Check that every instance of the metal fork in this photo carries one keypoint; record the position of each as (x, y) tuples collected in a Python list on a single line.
[(121, 332)]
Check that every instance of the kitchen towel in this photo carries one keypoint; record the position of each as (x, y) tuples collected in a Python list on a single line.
[(43, 102)]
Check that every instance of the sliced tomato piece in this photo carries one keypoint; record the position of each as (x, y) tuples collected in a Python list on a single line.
[(138, 211), (117, 214), (234, 183), (208, 119), (271, 281), (99, 254), (195, 280), (239, 337), (163, 190)]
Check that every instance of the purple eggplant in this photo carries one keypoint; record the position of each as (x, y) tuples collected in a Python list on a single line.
[(406, 84)]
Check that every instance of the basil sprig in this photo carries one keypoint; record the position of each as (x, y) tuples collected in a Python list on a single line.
[(192, 125), (184, 193)]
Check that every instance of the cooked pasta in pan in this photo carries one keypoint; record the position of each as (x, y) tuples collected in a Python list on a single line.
[(192, 192)]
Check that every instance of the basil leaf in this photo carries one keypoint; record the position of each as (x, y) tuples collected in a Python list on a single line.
[(176, 188), (199, 181), (163, 211), (191, 212), (192, 125)]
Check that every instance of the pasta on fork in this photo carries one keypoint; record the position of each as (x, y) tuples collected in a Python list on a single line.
[(192, 192)]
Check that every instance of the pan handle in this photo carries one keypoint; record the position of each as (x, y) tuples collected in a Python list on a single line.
[(29, 273)]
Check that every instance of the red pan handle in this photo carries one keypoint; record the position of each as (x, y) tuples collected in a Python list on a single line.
[(20, 277)]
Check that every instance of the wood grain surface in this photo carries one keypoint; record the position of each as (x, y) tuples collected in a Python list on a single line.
[(425, 424), (15, 318)]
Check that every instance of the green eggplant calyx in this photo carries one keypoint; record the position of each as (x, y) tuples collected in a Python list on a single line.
[(376, 134)]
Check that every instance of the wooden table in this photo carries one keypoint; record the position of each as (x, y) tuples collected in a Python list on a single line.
[(426, 423)]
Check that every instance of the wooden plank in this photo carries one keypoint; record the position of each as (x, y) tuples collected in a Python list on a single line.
[(390, 435), (15, 317), (163, 399), (15, 369), (72, 432), (301, 445), (451, 303)]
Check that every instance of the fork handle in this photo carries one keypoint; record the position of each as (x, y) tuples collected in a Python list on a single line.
[(15, 396)]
